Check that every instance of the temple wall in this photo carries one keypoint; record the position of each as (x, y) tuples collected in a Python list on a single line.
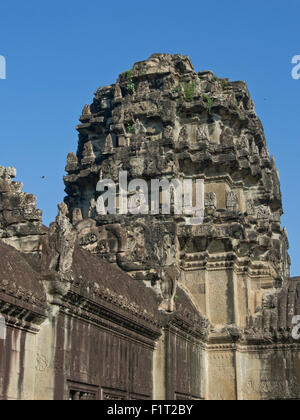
[(272, 373), (101, 362), (17, 365), (212, 292), (194, 282), (241, 299), (220, 373), (220, 296), (184, 366), (45, 359), (73, 358)]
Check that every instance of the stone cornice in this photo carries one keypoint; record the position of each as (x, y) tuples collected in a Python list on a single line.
[(98, 292), (21, 295), (102, 311), (21, 315)]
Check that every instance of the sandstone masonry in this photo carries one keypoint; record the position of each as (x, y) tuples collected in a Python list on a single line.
[(206, 311)]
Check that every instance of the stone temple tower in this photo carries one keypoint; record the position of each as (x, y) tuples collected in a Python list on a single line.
[(163, 120)]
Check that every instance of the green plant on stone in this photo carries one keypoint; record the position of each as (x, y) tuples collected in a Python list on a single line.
[(130, 84), (236, 104), (224, 83), (127, 74), (130, 128), (131, 87), (209, 102), (189, 91)]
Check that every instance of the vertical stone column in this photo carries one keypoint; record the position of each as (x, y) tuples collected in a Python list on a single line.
[(159, 369)]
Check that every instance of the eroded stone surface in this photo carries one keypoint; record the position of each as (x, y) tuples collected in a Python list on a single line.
[(166, 120), (163, 119), (20, 220)]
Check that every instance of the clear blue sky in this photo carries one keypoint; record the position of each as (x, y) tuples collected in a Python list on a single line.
[(59, 52)]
